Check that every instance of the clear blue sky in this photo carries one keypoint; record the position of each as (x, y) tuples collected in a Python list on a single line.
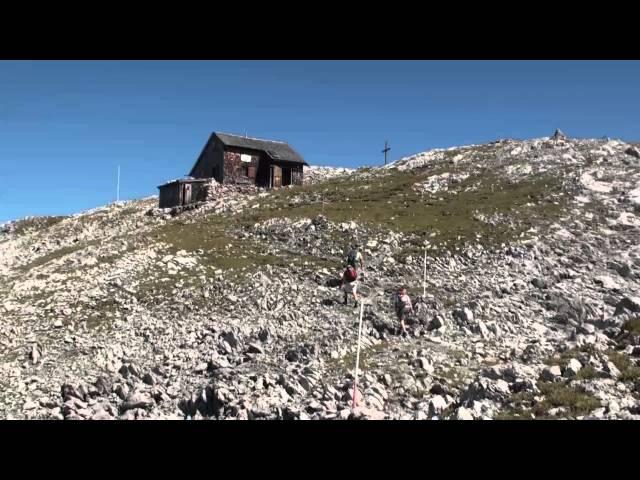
[(66, 125)]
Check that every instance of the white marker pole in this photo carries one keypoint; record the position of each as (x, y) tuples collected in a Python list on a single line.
[(424, 276), (118, 188), (355, 377)]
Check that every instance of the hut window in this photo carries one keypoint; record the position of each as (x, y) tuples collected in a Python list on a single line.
[(245, 169)]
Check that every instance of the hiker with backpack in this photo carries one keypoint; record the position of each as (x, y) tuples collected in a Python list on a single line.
[(354, 256), (349, 284), (403, 308)]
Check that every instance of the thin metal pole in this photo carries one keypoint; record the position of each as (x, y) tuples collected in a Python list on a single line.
[(355, 377), (118, 188), (424, 275)]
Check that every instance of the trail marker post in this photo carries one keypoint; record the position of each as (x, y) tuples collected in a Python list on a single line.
[(424, 275), (355, 376)]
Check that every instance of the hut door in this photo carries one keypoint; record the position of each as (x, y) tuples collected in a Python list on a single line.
[(277, 176), (186, 194), (286, 176)]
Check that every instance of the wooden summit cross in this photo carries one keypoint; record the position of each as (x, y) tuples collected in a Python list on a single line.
[(386, 149)]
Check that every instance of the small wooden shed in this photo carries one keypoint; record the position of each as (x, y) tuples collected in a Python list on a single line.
[(180, 192)]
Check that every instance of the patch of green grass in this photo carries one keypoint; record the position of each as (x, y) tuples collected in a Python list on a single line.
[(567, 355), (522, 398), (218, 244), (452, 376), (391, 202), (561, 394), (563, 359), (223, 247), (518, 407), (36, 224), (555, 395), (632, 326), (587, 373), (629, 372), (56, 254)]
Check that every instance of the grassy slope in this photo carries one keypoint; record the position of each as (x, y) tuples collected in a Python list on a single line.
[(391, 202), (386, 201), (382, 202)]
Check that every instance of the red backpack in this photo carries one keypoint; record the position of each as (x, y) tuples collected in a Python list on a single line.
[(350, 274)]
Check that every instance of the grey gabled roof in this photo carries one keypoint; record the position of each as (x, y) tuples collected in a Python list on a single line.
[(275, 149)]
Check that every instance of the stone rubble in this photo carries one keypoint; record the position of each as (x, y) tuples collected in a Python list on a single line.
[(105, 318)]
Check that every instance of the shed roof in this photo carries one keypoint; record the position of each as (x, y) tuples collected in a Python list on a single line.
[(185, 180)]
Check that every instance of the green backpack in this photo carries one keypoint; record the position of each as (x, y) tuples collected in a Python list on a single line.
[(352, 257)]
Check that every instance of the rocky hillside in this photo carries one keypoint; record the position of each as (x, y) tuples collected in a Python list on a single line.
[(230, 310)]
